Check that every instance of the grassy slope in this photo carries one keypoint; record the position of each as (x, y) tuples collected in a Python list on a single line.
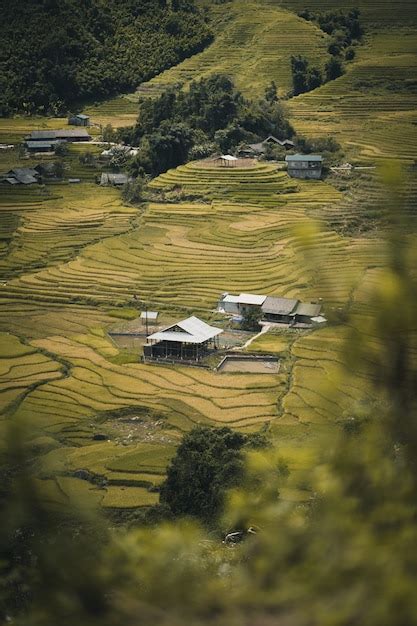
[(252, 45), (76, 247)]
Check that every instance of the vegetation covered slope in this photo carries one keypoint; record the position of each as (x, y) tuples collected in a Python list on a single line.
[(253, 45), (56, 53)]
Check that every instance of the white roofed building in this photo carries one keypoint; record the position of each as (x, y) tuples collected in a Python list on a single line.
[(188, 340), (236, 305), (227, 160)]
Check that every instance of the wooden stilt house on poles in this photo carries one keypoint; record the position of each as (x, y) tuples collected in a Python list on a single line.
[(188, 340)]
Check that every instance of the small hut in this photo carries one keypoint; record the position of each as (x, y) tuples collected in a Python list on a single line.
[(226, 160), (79, 120)]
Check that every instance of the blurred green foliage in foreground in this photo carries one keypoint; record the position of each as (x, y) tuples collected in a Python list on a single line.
[(346, 558)]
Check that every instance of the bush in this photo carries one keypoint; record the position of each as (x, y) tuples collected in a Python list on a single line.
[(207, 463), (134, 191)]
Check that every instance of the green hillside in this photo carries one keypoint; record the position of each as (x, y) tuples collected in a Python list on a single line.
[(253, 44), (59, 54)]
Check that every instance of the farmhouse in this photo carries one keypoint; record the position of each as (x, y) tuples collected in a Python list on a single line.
[(306, 313), (22, 176), (275, 310), (42, 146), (236, 305), (189, 340), (70, 135), (256, 149), (79, 120), (279, 310), (304, 165)]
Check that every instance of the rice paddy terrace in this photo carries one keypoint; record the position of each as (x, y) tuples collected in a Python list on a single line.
[(253, 44), (247, 232), (72, 257)]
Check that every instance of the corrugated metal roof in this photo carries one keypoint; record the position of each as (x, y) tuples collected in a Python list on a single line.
[(250, 298), (27, 180), (23, 171), (38, 135), (191, 330), (307, 309), (82, 116), (320, 319), (35, 145), (244, 298), (72, 132), (227, 157), (150, 315), (303, 157), (43, 135), (279, 306)]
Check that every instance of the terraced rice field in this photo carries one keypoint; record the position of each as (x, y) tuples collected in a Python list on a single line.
[(70, 257), (253, 45), (246, 234)]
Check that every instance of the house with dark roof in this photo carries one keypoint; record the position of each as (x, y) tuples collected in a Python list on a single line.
[(79, 120), (22, 176), (304, 165), (42, 146), (275, 310), (257, 149), (188, 340), (306, 312), (70, 135), (279, 309)]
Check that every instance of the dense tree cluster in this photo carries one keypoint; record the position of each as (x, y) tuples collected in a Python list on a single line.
[(345, 31), (304, 76), (55, 53), (344, 27), (207, 463), (211, 115)]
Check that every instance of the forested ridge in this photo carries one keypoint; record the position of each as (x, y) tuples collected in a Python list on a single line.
[(56, 53)]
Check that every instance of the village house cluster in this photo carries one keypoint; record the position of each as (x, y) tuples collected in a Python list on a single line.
[(274, 310)]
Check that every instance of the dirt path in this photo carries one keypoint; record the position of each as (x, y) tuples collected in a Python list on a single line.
[(265, 329)]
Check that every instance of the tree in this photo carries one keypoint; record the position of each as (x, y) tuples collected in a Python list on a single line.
[(133, 191), (59, 169), (305, 77), (271, 93), (61, 149), (251, 317), (333, 69), (206, 464)]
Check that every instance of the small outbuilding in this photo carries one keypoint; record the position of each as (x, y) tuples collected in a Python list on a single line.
[(149, 317), (113, 180), (304, 165), (226, 160), (188, 340), (79, 120)]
